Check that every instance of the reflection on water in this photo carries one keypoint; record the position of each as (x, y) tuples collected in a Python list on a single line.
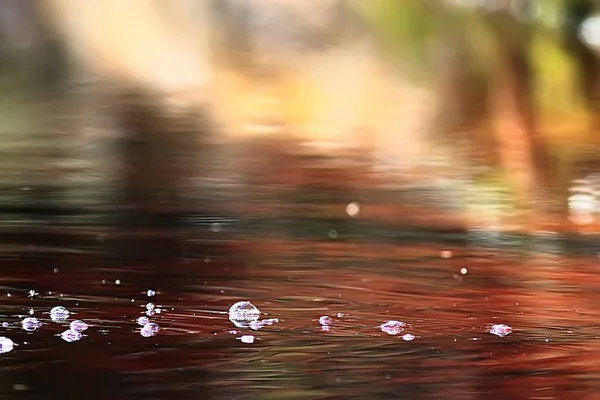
[(359, 315)]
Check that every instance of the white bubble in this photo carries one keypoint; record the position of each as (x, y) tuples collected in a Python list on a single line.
[(325, 320), (30, 324), (247, 339), (463, 271), (118, 282), (71, 336), (150, 293), (143, 321), (59, 313), (78, 326), (150, 306), (393, 327), (6, 345), (333, 234), (150, 329), (408, 337), (243, 311), (500, 330)]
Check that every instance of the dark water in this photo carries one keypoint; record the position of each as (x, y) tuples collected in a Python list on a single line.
[(449, 287)]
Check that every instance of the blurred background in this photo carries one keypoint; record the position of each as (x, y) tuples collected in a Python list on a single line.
[(491, 100), (431, 161)]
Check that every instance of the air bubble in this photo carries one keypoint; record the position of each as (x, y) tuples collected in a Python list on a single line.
[(393, 327), (30, 324), (6, 345), (59, 314), (78, 326), (243, 312)]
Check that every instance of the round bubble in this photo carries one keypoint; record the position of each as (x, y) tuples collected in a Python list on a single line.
[(59, 313), (150, 329), (30, 324), (242, 313), (6, 345)]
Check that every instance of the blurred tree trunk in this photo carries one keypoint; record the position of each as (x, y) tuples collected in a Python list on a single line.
[(523, 152), (464, 93)]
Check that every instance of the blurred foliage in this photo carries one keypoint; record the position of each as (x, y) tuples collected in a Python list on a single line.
[(410, 29), (406, 28), (418, 34)]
